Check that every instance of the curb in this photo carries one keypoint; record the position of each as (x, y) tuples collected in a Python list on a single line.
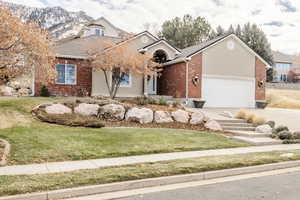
[(3, 160), (151, 182)]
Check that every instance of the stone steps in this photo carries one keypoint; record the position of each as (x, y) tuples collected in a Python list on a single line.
[(245, 132), (258, 141), (237, 128)]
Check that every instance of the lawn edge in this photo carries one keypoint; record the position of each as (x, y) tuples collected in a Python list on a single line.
[(7, 147), (150, 182)]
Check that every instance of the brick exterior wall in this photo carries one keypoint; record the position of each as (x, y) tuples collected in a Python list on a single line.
[(83, 84), (195, 69), (260, 75), (172, 82)]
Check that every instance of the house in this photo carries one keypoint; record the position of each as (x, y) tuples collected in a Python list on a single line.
[(224, 72), (283, 64)]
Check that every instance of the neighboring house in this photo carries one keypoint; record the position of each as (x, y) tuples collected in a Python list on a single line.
[(224, 72), (283, 64)]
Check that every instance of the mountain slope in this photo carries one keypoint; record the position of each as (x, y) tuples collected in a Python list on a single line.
[(59, 22)]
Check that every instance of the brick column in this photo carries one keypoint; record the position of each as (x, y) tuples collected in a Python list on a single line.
[(260, 75)]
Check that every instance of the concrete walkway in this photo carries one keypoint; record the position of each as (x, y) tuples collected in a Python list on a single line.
[(53, 167)]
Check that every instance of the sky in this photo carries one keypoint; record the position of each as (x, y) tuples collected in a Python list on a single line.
[(279, 19)]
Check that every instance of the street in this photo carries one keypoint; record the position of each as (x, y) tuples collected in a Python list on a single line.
[(275, 187)]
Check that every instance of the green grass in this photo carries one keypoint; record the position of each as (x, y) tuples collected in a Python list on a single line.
[(36, 142), (10, 185), (44, 143)]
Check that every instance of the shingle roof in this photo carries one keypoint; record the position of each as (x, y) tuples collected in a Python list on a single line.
[(281, 57), (79, 47), (187, 52)]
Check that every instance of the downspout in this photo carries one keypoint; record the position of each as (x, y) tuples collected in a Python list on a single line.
[(186, 60)]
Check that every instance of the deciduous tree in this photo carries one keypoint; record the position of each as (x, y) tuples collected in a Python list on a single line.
[(22, 48), (118, 60)]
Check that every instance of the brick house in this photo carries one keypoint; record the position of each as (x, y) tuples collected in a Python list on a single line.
[(224, 72)]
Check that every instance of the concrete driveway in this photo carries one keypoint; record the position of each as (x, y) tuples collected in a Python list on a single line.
[(287, 117)]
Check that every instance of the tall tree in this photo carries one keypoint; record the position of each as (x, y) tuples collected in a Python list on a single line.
[(22, 48), (256, 39), (185, 32), (230, 29), (117, 61), (238, 31), (220, 31)]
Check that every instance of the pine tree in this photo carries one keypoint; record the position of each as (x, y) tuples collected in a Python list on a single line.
[(220, 31), (230, 29), (238, 31)]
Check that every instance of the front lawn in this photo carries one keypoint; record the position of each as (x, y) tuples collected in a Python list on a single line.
[(10, 185), (36, 142), (45, 143)]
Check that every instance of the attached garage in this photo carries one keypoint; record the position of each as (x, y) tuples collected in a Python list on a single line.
[(223, 72), (224, 93)]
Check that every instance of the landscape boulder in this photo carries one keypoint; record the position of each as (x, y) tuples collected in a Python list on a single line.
[(112, 112), (6, 91), (87, 109), (162, 117), (213, 125), (57, 109), (24, 92), (227, 114), (264, 129), (181, 116), (140, 115), (197, 118)]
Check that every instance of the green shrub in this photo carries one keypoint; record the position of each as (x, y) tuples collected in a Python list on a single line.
[(176, 104), (274, 136), (152, 100), (280, 129), (141, 100), (44, 92), (162, 101), (285, 135), (296, 135), (271, 124), (297, 141)]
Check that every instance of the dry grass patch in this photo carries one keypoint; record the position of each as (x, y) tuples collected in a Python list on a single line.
[(10, 119), (280, 98), (250, 117)]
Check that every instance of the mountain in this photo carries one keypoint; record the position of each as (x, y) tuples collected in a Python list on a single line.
[(59, 22)]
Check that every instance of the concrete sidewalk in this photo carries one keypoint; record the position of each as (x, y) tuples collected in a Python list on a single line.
[(53, 167)]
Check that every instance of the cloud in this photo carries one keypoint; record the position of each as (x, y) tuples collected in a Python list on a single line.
[(286, 6), (274, 23), (131, 15)]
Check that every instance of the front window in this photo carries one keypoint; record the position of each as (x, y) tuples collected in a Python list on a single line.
[(124, 77), (66, 74), (98, 32)]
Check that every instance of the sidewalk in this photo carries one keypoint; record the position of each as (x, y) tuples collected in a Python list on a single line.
[(53, 167)]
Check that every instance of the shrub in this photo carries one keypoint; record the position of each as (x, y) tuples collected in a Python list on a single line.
[(176, 104), (291, 141), (44, 92), (258, 120), (271, 124), (141, 100), (285, 135), (250, 117), (152, 100), (296, 135), (162, 101), (241, 114), (280, 129)]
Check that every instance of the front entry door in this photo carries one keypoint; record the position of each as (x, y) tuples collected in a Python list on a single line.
[(152, 85)]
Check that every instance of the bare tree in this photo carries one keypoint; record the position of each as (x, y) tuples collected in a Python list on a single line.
[(116, 61), (22, 48)]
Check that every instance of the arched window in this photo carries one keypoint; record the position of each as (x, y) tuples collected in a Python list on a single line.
[(160, 56)]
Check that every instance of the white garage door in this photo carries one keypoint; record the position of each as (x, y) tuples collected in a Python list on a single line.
[(228, 93)]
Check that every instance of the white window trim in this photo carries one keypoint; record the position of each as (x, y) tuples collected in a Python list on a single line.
[(75, 68), (123, 86)]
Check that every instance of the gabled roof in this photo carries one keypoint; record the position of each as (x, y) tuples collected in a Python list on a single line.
[(193, 50), (282, 58), (78, 47), (159, 42)]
